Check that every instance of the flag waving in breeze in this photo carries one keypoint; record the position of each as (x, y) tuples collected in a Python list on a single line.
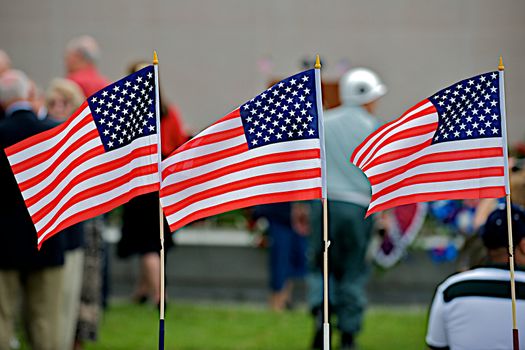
[(104, 155), (267, 150), (449, 146)]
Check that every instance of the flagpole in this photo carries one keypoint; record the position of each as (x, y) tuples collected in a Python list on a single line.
[(515, 335), (324, 201), (161, 215)]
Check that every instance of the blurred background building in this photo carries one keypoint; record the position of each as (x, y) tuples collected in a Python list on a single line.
[(216, 54)]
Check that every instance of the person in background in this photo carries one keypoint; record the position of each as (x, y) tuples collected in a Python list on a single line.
[(348, 198), (287, 243), (81, 57), (140, 228), (25, 272), (5, 65), (63, 97), (478, 301), (473, 251)]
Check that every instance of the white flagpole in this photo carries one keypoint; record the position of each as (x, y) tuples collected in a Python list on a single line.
[(324, 201), (501, 68), (161, 215)]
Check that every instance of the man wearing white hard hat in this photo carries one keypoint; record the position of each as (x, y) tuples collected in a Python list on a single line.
[(348, 197)]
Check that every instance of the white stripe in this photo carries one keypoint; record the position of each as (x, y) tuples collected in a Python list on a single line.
[(98, 180), (65, 147), (463, 145), (483, 273), (421, 121), (431, 168), (381, 133), (241, 175), (88, 183), (199, 151), (290, 146), (444, 186), (29, 152), (220, 127), (92, 162), (245, 193), (401, 145), (39, 186), (101, 199)]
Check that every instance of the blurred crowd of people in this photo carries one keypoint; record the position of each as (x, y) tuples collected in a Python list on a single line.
[(56, 295)]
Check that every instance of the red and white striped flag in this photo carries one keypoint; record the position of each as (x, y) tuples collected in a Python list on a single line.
[(449, 146), (104, 155), (268, 150)]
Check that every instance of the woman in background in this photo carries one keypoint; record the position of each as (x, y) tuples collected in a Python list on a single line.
[(81, 306), (140, 227)]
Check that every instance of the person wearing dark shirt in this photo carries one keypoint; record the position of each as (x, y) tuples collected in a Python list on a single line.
[(24, 270)]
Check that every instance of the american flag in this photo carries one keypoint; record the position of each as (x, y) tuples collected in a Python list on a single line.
[(449, 146), (104, 155), (267, 150)]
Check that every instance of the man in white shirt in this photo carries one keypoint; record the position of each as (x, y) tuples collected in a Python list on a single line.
[(471, 310)]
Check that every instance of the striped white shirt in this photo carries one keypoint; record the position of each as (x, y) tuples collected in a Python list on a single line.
[(472, 311)]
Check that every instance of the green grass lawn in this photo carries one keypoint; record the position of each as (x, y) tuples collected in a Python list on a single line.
[(219, 326)]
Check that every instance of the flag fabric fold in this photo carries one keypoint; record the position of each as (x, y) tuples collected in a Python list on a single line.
[(448, 146), (267, 150), (101, 157)]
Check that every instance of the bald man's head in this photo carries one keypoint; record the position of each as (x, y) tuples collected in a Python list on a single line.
[(81, 52)]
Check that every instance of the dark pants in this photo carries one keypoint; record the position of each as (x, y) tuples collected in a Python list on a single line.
[(287, 255), (349, 234)]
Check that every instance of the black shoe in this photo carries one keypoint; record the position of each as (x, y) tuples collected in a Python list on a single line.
[(318, 340), (317, 344), (140, 299), (347, 341)]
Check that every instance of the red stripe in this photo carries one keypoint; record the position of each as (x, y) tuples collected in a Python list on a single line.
[(234, 114), (209, 158), (110, 165), (437, 158), (439, 177), (43, 136), (248, 202), (486, 192), (47, 154), (388, 126), (247, 164), (405, 134), (99, 209), (242, 184), (97, 190), (399, 153), (211, 138), (44, 174), (65, 172)]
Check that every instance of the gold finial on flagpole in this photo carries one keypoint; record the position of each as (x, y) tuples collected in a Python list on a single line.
[(317, 62), (155, 58), (501, 66)]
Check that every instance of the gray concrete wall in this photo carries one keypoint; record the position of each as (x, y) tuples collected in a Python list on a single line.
[(209, 50), (240, 274)]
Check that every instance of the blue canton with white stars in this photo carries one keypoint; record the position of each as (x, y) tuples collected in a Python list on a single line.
[(285, 112), (125, 110), (469, 109)]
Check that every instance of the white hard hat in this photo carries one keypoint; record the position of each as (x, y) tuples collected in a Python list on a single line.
[(359, 86)]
